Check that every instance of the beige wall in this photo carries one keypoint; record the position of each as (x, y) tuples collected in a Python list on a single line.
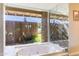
[(73, 30), (1, 29)]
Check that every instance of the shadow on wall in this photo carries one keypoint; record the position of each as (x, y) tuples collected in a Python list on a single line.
[(74, 30), (1, 29)]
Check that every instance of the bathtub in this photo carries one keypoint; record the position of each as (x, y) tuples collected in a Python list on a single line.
[(37, 49)]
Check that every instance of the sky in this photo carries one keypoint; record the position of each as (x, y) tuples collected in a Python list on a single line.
[(21, 19)]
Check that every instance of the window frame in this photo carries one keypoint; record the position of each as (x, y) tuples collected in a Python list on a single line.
[(42, 13)]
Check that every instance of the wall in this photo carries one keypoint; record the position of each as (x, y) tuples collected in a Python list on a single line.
[(53, 7), (1, 29), (60, 8), (73, 30), (33, 6)]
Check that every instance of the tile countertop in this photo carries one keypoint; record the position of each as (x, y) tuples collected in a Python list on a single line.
[(55, 53), (60, 53), (74, 51)]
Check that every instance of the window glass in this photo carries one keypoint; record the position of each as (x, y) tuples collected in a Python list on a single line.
[(58, 29), (23, 29)]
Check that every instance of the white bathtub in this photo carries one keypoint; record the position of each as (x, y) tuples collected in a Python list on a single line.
[(35, 49)]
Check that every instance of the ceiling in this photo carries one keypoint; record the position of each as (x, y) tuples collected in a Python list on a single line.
[(53, 7)]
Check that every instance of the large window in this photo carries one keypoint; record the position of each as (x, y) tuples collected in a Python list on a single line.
[(28, 26), (23, 29)]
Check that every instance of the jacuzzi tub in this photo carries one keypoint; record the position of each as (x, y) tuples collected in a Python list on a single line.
[(35, 49), (38, 49)]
